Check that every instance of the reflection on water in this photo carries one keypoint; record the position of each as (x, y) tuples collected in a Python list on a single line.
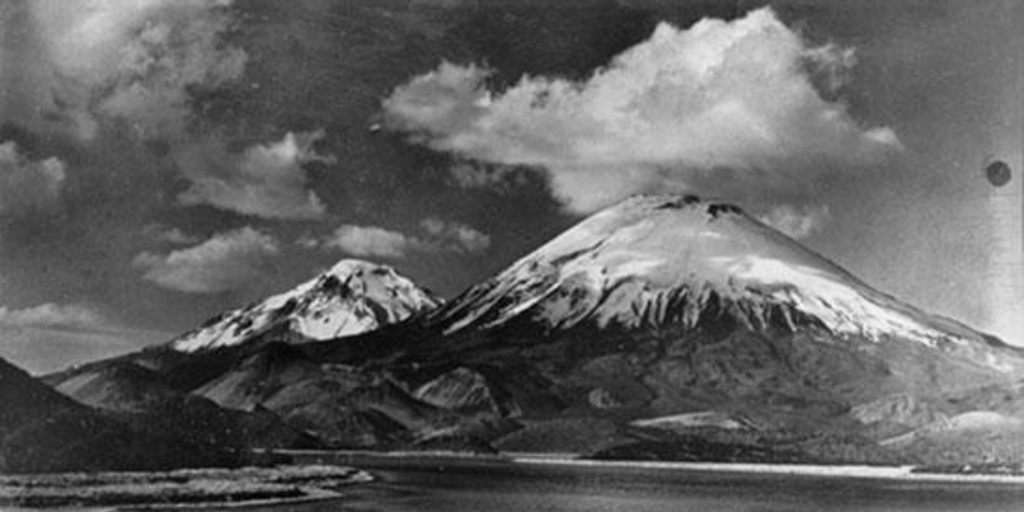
[(463, 487)]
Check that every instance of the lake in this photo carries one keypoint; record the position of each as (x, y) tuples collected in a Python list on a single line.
[(456, 485)]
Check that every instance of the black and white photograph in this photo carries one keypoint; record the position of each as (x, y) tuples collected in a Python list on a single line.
[(512, 255)]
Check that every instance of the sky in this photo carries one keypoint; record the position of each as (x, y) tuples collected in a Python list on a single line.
[(164, 160)]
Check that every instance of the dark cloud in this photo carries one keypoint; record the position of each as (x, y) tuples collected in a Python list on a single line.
[(139, 62)]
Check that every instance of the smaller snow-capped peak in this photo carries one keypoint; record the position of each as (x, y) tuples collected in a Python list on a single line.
[(653, 261), (351, 298)]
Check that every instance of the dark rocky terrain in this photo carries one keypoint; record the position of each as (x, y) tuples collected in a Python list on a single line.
[(42, 430)]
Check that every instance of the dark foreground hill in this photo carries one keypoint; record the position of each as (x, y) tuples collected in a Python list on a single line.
[(42, 430)]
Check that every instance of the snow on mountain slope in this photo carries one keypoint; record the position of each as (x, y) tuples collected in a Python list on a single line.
[(654, 261), (351, 298)]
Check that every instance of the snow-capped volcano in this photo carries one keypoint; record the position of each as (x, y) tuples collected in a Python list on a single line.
[(681, 317), (659, 261), (353, 297)]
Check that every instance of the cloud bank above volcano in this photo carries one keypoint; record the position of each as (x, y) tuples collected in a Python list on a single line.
[(748, 96)]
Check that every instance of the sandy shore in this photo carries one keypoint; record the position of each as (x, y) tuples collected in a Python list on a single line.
[(900, 473), (903, 473)]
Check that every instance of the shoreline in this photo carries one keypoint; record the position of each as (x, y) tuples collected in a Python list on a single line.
[(902, 473), (896, 473)]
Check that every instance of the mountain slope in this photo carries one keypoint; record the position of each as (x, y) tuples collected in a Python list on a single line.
[(655, 261), (120, 386), (126, 390), (351, 298)]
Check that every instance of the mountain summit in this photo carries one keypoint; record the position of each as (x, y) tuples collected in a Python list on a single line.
[(353, 297), (681, 262)]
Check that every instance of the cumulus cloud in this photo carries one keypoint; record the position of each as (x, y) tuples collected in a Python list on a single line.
[(139, 61), (28, 185), (51, 315), (719, 107), (226, 261), (498, 178), (456, 236), (170, 234), (308, 241), (264, 180), (372, 241), (798, 223)]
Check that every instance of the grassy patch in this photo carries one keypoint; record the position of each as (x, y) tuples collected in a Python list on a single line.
[(181, 486)]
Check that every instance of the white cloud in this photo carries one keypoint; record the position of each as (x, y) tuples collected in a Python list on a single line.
[(798, 223), (134, 60), (371, 241), (51, 315), (308, 241), (498, 178), (169, 234), (264, 180), (226, 261), (28, 185), (45, 349), (176, 236), (669, 113), (50, 336), (456, 236)]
